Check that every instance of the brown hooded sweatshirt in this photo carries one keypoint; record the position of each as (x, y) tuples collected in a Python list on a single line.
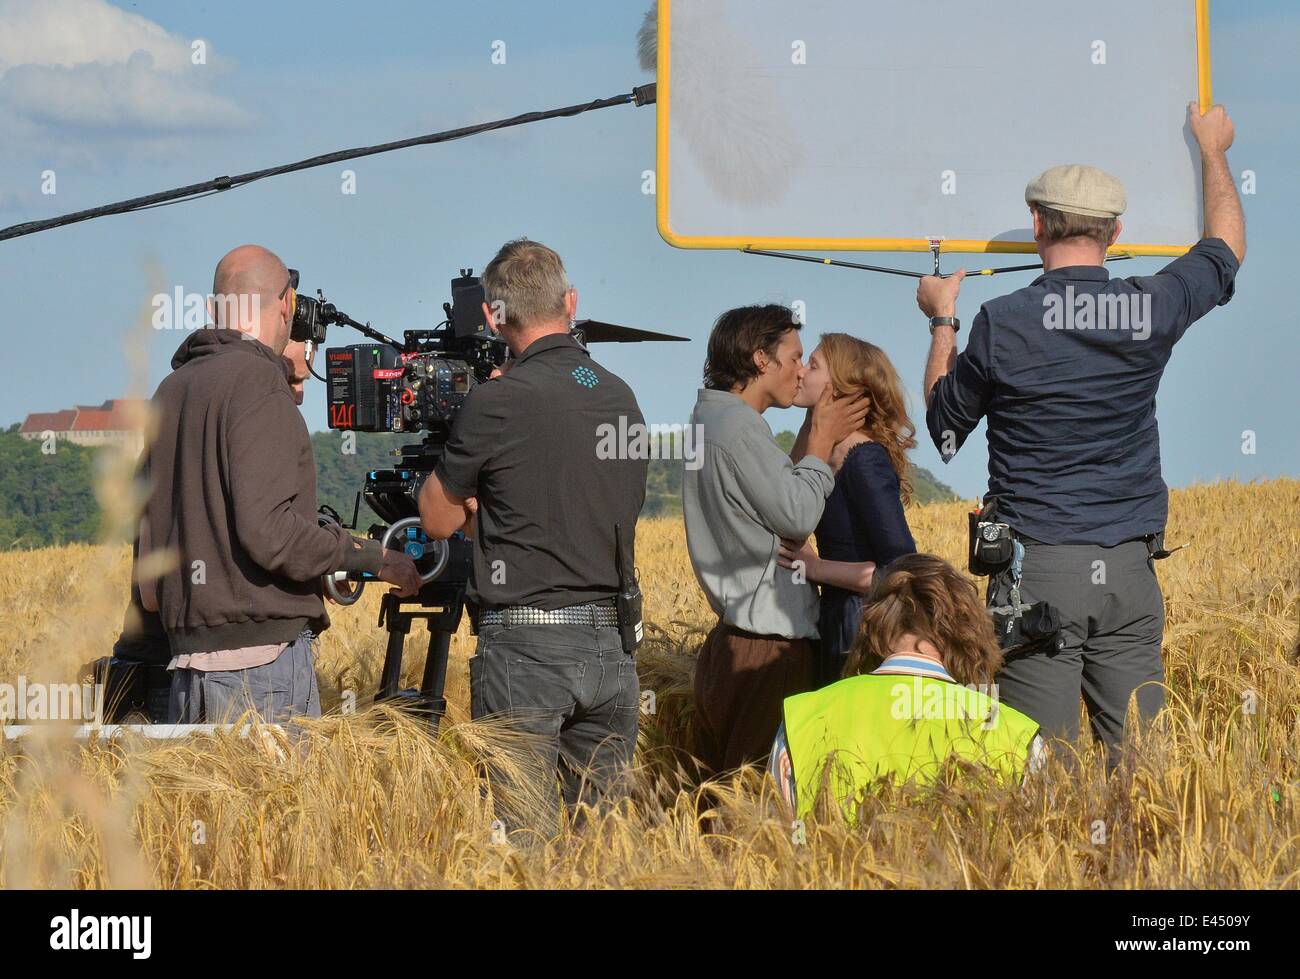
[(233, 499)]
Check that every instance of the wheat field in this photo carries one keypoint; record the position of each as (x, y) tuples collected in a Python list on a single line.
[(1209, 798)]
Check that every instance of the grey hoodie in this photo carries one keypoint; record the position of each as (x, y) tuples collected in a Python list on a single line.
[(746, 495)]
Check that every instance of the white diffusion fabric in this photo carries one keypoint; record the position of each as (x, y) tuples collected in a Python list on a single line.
[(859, 120)]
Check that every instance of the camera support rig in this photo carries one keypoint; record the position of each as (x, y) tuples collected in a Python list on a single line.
[(442, 604), (444, 575), (418, 385)]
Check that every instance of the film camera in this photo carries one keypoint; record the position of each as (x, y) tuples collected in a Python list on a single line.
[(418, 386)]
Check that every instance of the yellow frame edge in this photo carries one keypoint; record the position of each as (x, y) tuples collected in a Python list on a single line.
[(664, 83)]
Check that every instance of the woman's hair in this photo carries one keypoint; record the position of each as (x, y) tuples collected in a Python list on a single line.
[(925, 596), (858, 367), (737, 335)]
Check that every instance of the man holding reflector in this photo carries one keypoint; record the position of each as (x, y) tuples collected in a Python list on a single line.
[(1066, 372)]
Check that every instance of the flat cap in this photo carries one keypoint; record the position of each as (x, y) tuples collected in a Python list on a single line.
[(1078, 189)]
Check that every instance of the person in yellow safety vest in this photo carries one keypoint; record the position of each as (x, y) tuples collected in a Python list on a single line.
[(918, 689)]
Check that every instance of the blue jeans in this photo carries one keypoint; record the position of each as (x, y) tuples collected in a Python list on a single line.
[(284, 688), (574, 692)]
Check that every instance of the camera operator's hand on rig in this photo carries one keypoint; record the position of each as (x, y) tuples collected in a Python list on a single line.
[(399, 570)]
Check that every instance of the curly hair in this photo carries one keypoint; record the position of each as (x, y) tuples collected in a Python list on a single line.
[(925, 596), (858, 367)]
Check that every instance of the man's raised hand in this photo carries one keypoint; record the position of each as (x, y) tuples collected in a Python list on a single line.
[(834, 419), (1214, 131), (937, 295)]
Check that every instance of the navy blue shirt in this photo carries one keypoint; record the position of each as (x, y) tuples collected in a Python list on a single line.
[(1066, 371), (863, 519)]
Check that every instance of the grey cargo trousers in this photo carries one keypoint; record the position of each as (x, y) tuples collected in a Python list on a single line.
[(1112, 615)]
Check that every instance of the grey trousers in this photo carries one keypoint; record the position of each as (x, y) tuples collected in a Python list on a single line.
[(575, 694), (283, 688), (1113, 615)]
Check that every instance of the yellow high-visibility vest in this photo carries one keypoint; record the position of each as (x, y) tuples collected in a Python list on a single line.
[(855, 731)]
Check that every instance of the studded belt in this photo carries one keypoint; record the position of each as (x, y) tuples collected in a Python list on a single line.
[(594, 614)]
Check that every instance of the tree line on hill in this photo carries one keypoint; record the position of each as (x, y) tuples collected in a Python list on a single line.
[(49, 499), (45, 498)]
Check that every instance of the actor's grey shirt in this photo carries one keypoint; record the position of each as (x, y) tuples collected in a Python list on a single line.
[(743, 496)]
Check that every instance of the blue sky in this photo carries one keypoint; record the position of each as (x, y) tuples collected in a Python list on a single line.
[(286, 81)]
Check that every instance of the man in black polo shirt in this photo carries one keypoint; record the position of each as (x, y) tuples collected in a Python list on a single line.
[(1066, 371), (528, 448)]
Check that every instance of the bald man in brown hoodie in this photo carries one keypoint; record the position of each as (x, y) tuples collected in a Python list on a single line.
[(232, 506)]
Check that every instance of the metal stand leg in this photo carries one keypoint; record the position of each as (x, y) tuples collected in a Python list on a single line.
[(398, 624), (435, 675), (441, 609)]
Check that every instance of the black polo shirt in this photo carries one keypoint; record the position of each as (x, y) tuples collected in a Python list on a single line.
[(1066, 371), (540, 448)]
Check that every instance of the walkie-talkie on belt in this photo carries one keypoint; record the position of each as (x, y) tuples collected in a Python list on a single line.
[(629, 596)]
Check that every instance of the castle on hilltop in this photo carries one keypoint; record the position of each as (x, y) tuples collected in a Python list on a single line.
[(115, 422)]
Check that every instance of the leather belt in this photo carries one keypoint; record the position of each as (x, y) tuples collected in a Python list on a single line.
[(604, 616)]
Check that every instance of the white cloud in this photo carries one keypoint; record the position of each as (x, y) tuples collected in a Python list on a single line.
[(74, 32), (132, 96), (85, 65)]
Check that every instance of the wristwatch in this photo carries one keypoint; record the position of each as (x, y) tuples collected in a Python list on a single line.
[(944, 321)]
